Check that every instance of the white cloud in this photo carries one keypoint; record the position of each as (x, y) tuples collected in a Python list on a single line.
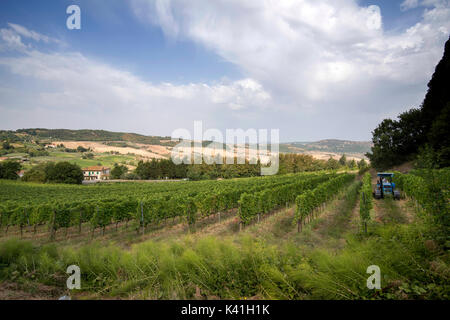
[(412, 4), (12, 38), (313, 55), (21, 30), (106, 96), (409, 4), (313, 68)]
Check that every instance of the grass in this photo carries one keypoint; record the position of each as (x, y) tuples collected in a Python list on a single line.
[(241, 267), (391, 212), (105, 159)]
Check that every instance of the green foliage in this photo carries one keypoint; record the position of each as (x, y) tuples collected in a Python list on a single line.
[(311, 200), (81, 149), (93, 135), (118, 171), (63, 172), (36, 174), (430, 188), (152, 203), (343, 160), (244, 267), (6, 145), (332, 164), (253, 203), (9, 169), (398, 141), (366, 200), (88, 155)]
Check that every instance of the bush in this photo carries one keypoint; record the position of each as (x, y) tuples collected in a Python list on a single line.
[(64, 172), (118, 171), (9, 169), (88, 155), (36, 174)]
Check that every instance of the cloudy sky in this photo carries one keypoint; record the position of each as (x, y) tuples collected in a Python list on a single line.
[(314, 69)]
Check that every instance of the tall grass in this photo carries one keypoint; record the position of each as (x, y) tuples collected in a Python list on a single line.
[(234, 268)]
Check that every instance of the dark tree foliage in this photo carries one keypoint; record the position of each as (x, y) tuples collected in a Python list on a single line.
[(118, 171), (159, 169), (63, 172), (288, 163), (9, 169), (343, 160), (397, 141), (36, 174), (6, 145), (439, 137), (332, 164)]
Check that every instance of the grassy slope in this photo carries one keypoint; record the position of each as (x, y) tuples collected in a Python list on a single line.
[(103, 158)]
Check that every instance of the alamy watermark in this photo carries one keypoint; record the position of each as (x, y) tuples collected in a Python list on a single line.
[(74, 20), (74, 281), (235, 147), (374, 281)]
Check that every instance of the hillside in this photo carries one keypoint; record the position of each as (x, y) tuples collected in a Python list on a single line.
[(84, 135), (121, 142), (323, 149)]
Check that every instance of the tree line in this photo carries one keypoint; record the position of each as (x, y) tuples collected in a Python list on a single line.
[(66, 172), (419, 132)]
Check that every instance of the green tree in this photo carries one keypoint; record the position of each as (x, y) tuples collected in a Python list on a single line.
[(118, 171), (6, 145), (439, 137), (352, 164), (332, 164), (362, 164), (88, 155), (9, 169), (343, 160), (397, 141), (36, 174), (64, 172)]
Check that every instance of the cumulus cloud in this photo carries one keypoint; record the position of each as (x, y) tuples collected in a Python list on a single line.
[(313, 68), (99, 94), (312, 45)]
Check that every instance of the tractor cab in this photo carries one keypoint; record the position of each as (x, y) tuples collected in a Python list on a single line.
[(385, 186)]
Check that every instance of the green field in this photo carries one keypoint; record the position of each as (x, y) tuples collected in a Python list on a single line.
[(104, 159)]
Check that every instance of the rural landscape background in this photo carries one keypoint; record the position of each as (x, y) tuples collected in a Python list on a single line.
[(87, 176)]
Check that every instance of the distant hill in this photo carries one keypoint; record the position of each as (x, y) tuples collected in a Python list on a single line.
[(328, 145), (322, 149), (83, 135)]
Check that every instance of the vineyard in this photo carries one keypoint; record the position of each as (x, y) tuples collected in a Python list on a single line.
[(296, 236), (29, 206)]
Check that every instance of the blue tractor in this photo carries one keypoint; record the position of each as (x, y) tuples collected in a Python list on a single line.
[(385, 186)]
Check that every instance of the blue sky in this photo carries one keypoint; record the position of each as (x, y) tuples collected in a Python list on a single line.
[(313, 69)]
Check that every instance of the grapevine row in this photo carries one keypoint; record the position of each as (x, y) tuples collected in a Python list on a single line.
[(366, 200), (308, 202), (151, 209)]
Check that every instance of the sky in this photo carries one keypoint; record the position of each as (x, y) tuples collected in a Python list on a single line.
[(314, 69)]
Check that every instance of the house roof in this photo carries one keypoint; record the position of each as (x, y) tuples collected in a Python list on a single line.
[(95, 168)]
